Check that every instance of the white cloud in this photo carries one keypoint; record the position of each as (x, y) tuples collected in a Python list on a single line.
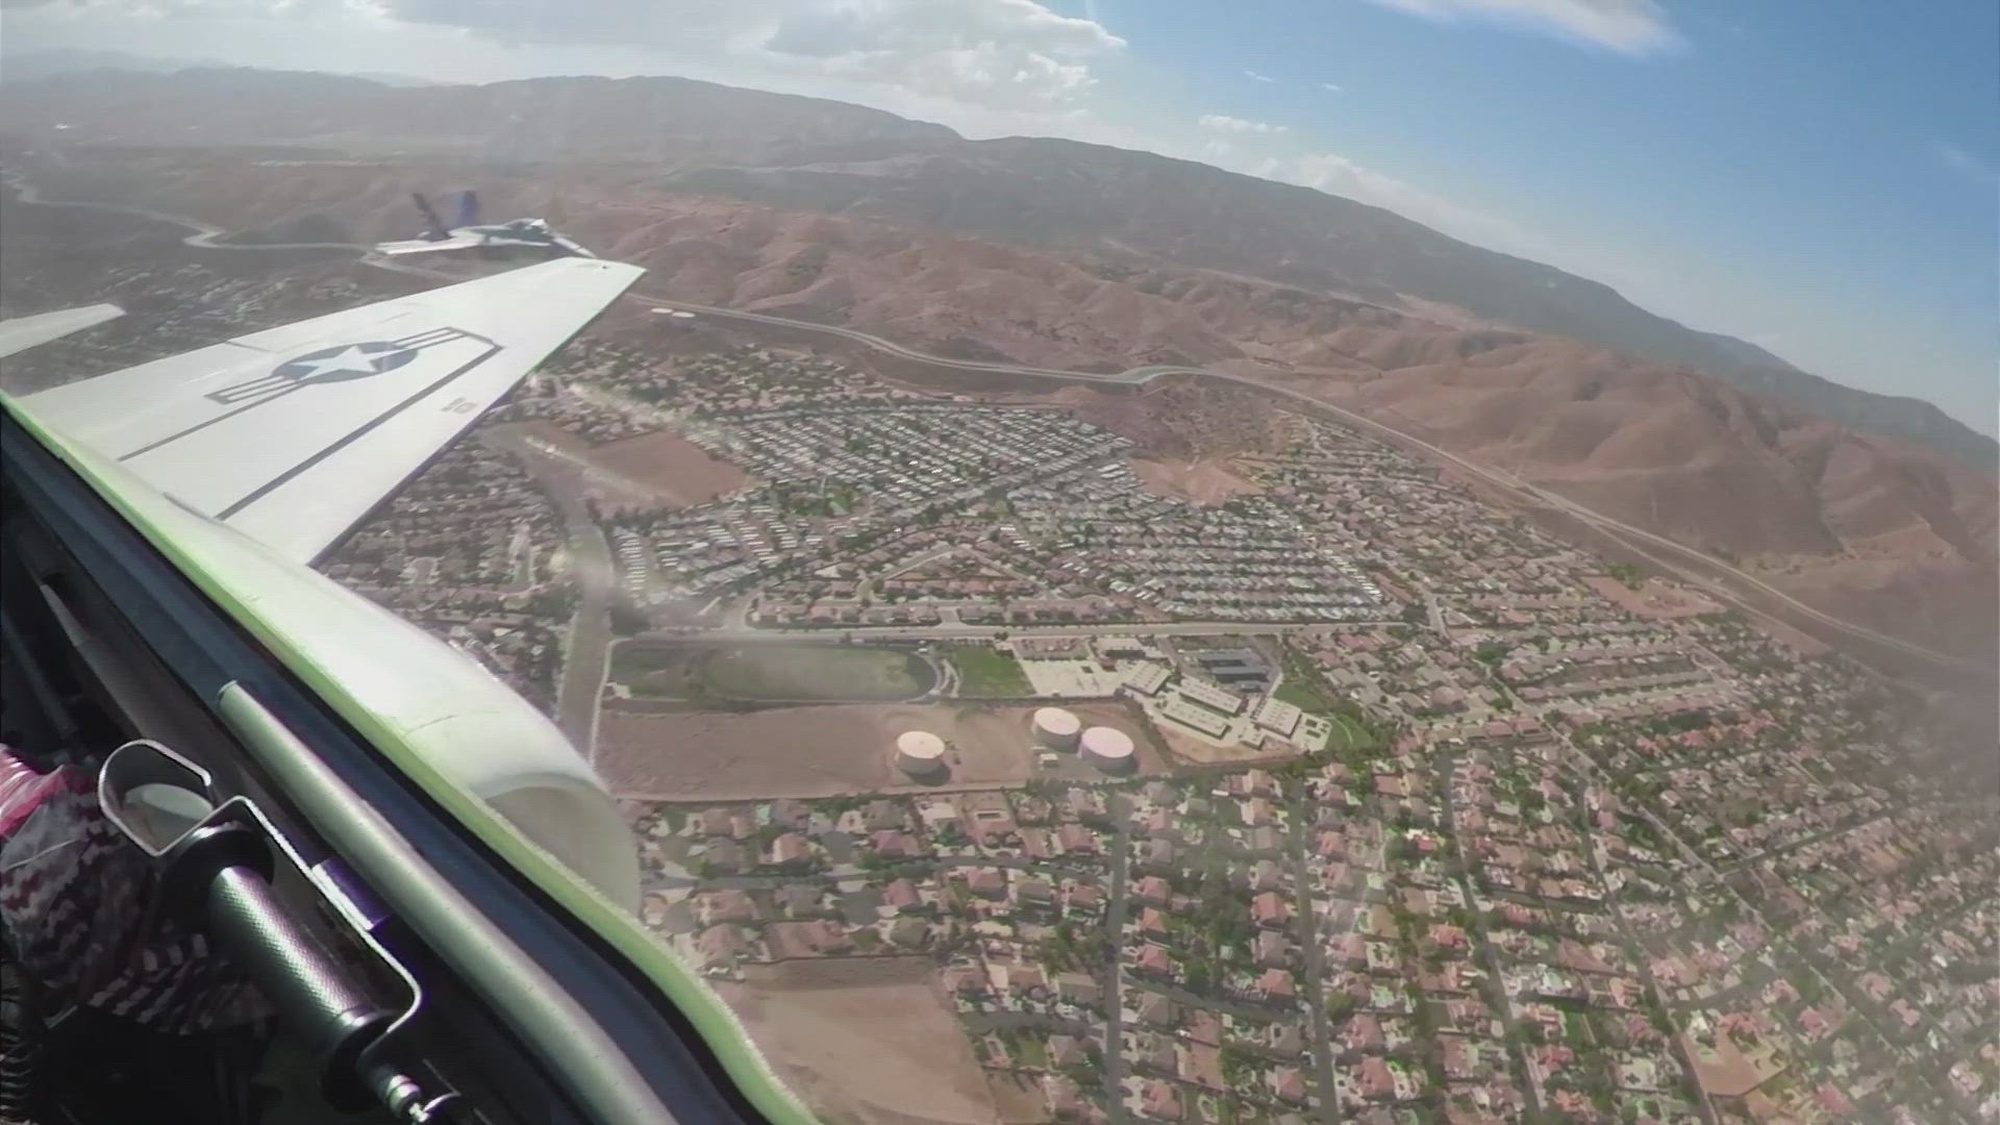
[(1965, 164), (991, 54), (1013, 53), (1221, 123), (1256, 77), (1329, 87), (1335, 174), (1630, 27)]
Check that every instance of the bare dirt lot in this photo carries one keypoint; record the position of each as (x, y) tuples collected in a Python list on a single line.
[(1725, 1070), (1654, 598), (672, 466), (865, 1040), (820, 751), (1018, 1096), (1204, 482), (656, 470)]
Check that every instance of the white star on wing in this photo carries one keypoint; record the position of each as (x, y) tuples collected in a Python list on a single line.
[(349, 358)]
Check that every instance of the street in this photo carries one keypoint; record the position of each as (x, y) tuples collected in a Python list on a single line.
[(589, 637)]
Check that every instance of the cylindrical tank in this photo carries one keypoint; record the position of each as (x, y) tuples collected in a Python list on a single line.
[(919, 753), (1056, 728), (1108, 748)]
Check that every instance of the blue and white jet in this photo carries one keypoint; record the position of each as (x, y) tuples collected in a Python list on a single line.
[(468, 233)]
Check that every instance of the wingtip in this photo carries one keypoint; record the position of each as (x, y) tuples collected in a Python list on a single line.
[(22, 333)]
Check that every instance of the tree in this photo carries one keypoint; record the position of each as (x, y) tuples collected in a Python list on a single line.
[(1627, 573), (1198, 977), (1339, 1006)]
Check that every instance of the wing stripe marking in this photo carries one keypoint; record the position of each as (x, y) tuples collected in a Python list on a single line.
[(198, 427), (356, 434), (280, 390)]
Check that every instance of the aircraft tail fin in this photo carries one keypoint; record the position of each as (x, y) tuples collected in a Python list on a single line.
[(434, 227), (468, 209), (23, 332)]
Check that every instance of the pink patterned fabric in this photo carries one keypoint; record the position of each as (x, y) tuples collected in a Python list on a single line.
[(75, 905), (21, 790)]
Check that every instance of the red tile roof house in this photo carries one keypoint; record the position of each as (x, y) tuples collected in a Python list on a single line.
[(1376, 1081), (1448, 937), (790, 848), (1276, 984), (902, 896), (1269, 909), (1287, 1083), (1154, 960)]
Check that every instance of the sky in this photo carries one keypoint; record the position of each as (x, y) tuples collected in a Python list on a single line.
[(1819, 177)]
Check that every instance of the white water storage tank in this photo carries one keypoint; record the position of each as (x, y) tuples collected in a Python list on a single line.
[(920, 753), (1056, 728), (1108, 748)]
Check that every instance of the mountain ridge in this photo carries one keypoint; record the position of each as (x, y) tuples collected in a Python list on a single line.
[(1876, 529), (818, 155), (1887, 535)]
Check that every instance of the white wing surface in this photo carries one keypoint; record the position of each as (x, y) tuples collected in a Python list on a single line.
[(426, 245), (24, 332), (292, 435)]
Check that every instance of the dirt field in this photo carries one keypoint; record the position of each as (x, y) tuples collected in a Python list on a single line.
[(776, 673), (820, 751), (865, 1040), (1654, 599), (1726, 1071), (1018, 1097), (1204, 482), (656, 470), (672, 466)]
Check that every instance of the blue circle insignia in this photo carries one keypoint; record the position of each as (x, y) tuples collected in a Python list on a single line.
[(348, 361)]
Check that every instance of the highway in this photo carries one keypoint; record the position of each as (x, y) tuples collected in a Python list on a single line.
[(950, 632), (1616, 529), (1135, 377)]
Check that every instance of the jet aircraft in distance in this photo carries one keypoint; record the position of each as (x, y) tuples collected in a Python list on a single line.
[(269, 853), (468, 233)]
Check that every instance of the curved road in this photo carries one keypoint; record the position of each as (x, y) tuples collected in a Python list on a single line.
[(1617, 529)]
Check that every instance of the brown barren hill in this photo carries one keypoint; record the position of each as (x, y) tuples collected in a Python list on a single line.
[(1892, 536), (1867, 528), (1135, 211), (1184, 418)]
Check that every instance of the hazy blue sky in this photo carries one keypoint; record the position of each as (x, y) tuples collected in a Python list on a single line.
[(1821, 177)]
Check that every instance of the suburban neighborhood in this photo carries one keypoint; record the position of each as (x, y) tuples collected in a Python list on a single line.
[(1316, 790)]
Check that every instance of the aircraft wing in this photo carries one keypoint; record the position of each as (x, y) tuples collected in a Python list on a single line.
[(293, 434), (24, 332), (427, 245), (573, 246)]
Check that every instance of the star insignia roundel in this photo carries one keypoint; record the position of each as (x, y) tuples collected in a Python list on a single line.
[(348, 361)]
